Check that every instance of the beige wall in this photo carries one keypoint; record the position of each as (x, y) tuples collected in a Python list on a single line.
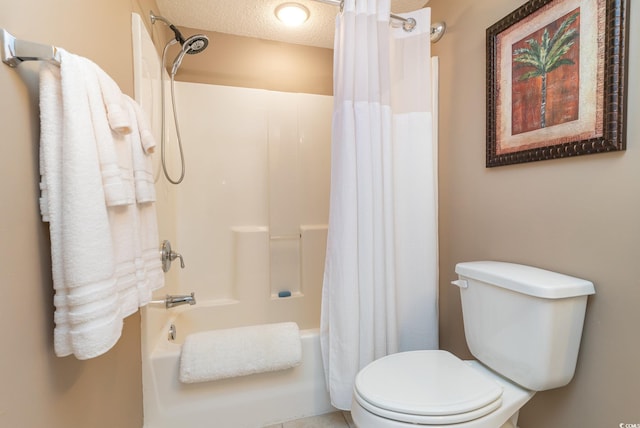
[(38, 389), (580, 216), (253, 63)]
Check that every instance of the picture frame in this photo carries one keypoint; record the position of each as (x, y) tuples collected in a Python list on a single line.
[(556, 81)]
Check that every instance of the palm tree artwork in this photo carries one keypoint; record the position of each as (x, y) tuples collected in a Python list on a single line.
[(541, 57)]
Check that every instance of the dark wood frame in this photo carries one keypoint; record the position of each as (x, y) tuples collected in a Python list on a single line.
[(615, 75)]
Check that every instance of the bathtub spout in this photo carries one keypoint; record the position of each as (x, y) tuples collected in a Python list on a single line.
[(171, 301)]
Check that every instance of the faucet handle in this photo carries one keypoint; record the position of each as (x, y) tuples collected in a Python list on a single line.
[(173, 255), (167, 256)]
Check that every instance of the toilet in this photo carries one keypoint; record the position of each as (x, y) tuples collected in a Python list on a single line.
[(522, 324)]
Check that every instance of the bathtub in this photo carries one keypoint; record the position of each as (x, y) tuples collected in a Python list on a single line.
[(244, 402)]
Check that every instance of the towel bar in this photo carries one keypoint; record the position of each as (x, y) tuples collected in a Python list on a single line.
[(14, 51)]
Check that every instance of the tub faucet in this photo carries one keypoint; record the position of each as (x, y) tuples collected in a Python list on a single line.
[(171, 301)]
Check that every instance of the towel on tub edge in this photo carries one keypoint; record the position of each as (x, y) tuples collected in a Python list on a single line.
[(241, 351)]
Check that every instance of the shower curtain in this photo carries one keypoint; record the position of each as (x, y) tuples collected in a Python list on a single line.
[(380, 281)]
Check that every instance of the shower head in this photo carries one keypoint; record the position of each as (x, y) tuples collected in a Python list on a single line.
[(193, 45)]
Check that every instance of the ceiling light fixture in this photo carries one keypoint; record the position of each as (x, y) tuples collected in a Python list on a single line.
[(292, 14)]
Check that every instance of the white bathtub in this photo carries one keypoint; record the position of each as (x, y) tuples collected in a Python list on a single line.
[(244, 402)]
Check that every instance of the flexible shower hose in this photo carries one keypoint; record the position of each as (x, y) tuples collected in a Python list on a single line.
[(175, 120)]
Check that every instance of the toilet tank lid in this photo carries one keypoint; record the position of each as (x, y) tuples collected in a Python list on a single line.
[(526, 279)]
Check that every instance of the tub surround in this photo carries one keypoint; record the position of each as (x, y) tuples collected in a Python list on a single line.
[(250, 222), (272, 397)]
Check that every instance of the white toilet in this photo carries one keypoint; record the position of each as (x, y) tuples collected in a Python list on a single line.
[(523, 324)]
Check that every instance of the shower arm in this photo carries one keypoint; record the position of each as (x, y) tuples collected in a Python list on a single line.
[(173, 28)]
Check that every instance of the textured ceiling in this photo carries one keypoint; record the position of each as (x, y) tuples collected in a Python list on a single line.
[(256, 18)]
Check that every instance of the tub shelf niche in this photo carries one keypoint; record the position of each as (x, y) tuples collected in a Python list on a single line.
[(279, 296), (263, 266), (250, 262), (285, 266)]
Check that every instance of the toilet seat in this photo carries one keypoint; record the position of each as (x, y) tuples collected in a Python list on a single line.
[(426, 387)]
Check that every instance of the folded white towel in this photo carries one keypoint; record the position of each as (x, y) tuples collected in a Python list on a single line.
[(117, 178), (116, 106), (146, 136), (220, 354), (145, 189), (105, 258), (149, 265), (81, 247), (50, 136)]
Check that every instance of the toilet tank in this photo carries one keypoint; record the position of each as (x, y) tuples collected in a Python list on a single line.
[(523, 322)]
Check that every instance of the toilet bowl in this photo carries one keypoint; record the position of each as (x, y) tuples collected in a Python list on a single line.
[(524, 326), (434, 389)]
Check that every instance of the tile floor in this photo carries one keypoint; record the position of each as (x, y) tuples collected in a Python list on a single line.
[(330, 420)]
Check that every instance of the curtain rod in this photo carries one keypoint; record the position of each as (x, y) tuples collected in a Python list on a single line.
[(408, 24)]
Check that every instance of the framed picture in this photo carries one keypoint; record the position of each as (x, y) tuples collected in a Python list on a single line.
[(556, 73)]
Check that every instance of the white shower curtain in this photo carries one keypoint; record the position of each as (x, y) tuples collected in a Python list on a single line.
[(380, 281)]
